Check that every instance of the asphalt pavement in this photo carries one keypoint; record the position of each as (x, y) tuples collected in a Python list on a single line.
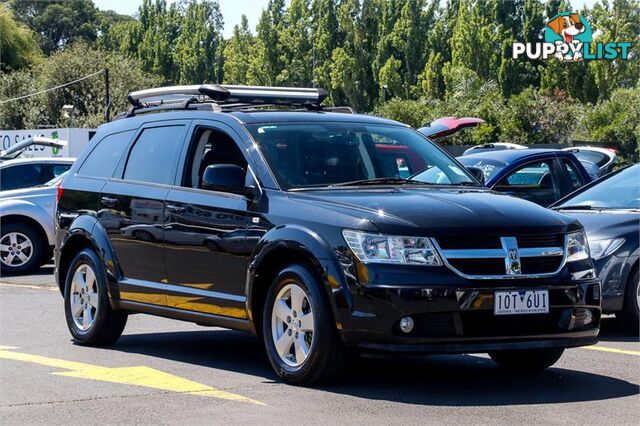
[(164, 371)]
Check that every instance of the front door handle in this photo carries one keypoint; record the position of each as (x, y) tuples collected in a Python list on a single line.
[(109, 201), (176, 209)]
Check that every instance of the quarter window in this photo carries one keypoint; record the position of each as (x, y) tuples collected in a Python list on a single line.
[(104, 157), (155, 154)]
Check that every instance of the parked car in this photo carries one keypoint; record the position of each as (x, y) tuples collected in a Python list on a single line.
[(604, 159), (542, 176), (339, 251), (609, 209), (27, 232), (17, 173), (496, 146)]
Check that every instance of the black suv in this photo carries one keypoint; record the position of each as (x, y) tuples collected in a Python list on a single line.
[(299, 225)]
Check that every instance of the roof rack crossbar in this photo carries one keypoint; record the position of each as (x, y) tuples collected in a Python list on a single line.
[(232, 94)]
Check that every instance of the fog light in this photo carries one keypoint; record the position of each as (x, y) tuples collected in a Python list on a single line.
[(406, 324)]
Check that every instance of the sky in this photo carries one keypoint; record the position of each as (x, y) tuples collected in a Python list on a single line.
[(232, 10)]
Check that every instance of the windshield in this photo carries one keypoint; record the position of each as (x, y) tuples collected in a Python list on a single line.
[(303, 155), (55, 180), (619, 191)]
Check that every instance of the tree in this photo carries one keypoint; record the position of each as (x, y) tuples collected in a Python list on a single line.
[(58, 22), (87, 96), (237, 53), (198, 46), (266, 63), (324, 39), (18, 45), (295, 51)]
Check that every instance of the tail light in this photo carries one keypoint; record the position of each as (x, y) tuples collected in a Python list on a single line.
[(60, 190)]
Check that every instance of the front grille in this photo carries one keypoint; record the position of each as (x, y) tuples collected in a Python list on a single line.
[(465, 242), (544, 240), (479, 266), (498, 257), (540, 265)]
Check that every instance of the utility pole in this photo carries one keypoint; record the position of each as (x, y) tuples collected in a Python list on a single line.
[(107, 96)]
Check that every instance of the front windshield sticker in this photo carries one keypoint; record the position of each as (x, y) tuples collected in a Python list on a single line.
[(487, 169)]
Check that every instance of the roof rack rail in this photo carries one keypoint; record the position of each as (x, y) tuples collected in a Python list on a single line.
[(231, 94)]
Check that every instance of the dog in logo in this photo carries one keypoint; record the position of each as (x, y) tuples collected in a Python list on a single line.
[(567, 27)]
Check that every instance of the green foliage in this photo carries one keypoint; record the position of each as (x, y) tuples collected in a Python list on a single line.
[(615, 122), (18, 46), (88, 97), (237, 52)]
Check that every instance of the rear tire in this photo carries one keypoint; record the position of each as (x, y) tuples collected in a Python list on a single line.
[(90, 318), (324, 353), (631, 308), (21, 248), (526, 360)]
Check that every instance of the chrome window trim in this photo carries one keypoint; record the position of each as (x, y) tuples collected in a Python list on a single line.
[(502, 254)]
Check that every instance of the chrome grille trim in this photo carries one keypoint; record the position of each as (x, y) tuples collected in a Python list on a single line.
[(502, 253)]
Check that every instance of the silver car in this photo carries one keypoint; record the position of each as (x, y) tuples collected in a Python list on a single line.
[(27, 230)]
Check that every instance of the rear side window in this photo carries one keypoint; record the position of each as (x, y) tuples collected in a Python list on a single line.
[(103, 159), (21, 176), (155, 154)]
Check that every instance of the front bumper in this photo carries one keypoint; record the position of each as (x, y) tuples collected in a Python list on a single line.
[(461, 320)]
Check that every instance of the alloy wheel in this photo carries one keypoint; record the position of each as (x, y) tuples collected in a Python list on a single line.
[(84, 297), (292, 325), (16, 249)]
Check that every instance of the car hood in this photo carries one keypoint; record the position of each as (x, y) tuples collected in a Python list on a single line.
[(608, 224), (28, 192), (435, 211)]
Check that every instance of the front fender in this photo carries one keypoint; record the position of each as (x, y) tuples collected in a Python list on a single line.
[(34, 212), (311, 246)]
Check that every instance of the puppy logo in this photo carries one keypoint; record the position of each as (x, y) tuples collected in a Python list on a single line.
[(567, 26), (569, 32)]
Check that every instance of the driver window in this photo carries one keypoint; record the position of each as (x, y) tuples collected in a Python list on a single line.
[(534, 182), (210, 147)]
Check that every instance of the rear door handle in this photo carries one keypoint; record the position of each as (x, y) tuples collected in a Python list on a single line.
[(176, 209), (109, 201)]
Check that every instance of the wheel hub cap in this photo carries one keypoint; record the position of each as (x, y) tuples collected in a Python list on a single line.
[(16, 249), (84, 297), (292, 325)]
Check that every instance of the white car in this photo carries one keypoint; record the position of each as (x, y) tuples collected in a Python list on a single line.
[(498, 146), (27, 234), (18, 173), (603, 158)]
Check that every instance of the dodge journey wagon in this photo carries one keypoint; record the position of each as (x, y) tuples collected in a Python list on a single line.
[(257, 209)]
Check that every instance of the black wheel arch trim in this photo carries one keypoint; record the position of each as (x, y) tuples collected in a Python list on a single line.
[(88, 228), (318, 252)]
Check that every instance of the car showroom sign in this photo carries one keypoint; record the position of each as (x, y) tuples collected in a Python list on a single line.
[(77, 138), (568, 37)]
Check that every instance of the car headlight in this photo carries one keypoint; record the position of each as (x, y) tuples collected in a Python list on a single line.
[(602, 248), (577, 246), (376, 248)]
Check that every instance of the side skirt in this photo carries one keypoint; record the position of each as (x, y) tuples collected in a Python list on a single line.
[(189, 316)]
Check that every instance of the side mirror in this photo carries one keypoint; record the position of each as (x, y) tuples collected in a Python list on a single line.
[(477, 173), (226, 178)]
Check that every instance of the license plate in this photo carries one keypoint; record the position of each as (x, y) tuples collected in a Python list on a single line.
[(521, 302)]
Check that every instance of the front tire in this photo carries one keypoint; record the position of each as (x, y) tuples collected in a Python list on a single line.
[(526, 360), (631, 308), (22, 248), (90, 318), (299, 331)]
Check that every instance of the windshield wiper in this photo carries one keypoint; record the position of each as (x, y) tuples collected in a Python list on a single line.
[(379, 181), (577, 207)]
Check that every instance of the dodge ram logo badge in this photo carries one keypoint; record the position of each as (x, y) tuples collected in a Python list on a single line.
[(512, 260)]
